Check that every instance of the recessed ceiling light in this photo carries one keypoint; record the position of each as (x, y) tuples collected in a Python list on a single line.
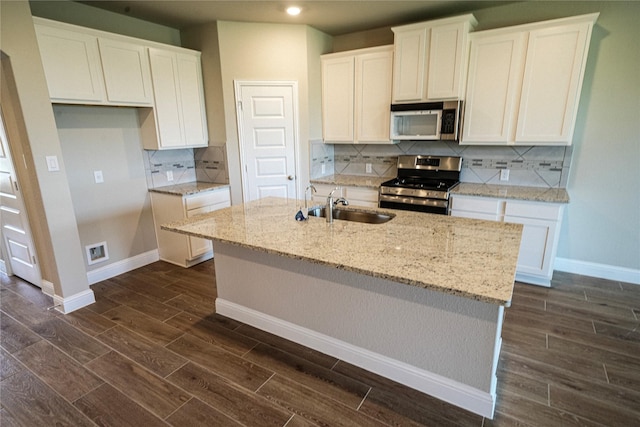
[(294, 10)]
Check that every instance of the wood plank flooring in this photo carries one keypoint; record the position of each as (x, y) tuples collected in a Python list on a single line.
[(151, 351)]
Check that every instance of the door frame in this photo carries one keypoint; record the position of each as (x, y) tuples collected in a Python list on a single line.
[(238, 85)]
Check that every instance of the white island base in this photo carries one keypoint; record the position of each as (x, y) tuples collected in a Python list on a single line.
[(444, 345)]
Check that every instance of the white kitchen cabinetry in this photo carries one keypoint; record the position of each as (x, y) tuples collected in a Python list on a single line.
[(127, 77), (180, 116), (177, 248), (81, 67), (541, 222), (356, 96), (71, 63), (356, 196), (524, 82), (430, 59)]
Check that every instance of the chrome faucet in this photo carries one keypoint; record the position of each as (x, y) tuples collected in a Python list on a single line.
[(313, 190), (331, 203)]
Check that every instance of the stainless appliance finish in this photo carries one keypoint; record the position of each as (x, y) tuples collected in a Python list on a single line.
[(435, 121), (423, 184)]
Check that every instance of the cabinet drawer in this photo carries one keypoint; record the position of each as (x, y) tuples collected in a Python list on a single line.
[(475, 204), (207, 198), (533, 210), (361, 194)]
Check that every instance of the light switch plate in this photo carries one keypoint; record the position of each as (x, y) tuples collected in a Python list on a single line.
[(504, 174), (169, 175), (97, 176), (52, 163), (368, 167)]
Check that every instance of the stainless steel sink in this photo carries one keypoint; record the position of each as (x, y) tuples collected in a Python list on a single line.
[(352, 215)]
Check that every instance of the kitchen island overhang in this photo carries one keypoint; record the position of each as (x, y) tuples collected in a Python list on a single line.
[(410, 320)]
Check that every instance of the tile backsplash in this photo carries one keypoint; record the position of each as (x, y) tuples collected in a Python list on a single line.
[(534, 166), (186, 165)]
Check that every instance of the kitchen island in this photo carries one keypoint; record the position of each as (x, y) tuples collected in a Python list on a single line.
[(419, 299)]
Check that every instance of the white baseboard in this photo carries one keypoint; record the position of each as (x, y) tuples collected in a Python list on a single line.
[(602, 271), (120, 267), (74, 302), (451, 391)]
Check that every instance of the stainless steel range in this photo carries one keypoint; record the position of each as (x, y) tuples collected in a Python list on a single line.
[(423, 184)]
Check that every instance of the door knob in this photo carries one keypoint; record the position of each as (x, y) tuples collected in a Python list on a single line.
[(290, 177)]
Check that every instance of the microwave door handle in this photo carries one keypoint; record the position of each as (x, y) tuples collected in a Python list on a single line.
[(438, 124)]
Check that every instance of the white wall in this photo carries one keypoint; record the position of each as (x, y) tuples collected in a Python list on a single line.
[(117, 211), (267, 52)]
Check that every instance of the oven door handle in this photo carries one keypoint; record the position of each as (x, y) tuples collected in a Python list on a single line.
[(414, 201)]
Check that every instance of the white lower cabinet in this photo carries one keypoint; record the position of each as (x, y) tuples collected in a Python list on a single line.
[(356, 196), (177, 248), (541, 230)]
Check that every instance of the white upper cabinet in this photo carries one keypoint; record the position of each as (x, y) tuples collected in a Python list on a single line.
[(493, 87), (71, 65), (430, 59), (81, 67), (91, 67), (180, 119), (338, 81), (552, 81), (356, 96), (126, 72), (524, 83)]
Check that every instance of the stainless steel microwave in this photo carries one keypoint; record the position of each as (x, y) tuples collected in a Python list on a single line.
[(430, 121)]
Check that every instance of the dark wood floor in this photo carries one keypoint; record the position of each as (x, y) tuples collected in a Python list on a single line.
[(150, 352)]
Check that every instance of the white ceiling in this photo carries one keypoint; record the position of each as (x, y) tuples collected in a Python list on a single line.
[(333, 17)]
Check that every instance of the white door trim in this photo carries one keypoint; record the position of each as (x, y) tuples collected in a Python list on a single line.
[(238, 85)]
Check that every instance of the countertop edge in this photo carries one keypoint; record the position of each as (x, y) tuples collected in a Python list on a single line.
[(513, 192), (188, 189)]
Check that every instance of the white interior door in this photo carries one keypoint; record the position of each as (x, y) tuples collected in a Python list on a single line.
[(16, 235), (268, 133)]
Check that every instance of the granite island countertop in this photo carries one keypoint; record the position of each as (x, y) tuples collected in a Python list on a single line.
[(465, 257), (188, 188)]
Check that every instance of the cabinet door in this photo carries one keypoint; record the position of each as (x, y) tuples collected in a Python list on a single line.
[(373, 77), (551, 84), (493, 88), (446, 61), (409, 65), (166, 91), (126, 72), (192, 100), (197, 245), (71, 65), (476, 208), (535, 256), (338, 99)]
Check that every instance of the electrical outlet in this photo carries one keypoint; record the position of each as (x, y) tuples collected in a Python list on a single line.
[(169, 175), (323, 169), (504, 174), (368, 167), (97, 177)]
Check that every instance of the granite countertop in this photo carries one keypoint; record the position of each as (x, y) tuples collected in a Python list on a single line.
[(465, 257), (352, 180), (533, 194), (188, 188)]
